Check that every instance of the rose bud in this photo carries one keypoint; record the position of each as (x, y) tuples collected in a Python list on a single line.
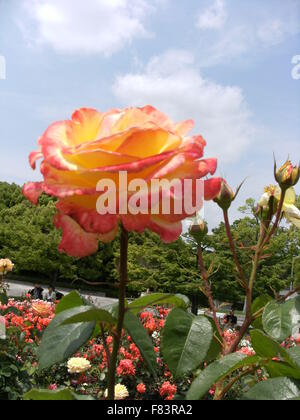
[(199, 230), (226, 196), (288, 175)]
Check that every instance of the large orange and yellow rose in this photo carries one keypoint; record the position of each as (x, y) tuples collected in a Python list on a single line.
[(92, 146)]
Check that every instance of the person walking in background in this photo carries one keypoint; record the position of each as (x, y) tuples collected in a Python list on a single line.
[(37, 292), (230, 320), (50, 295)]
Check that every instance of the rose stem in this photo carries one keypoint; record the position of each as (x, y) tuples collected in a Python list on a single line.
[(121, 314), (208, 290)]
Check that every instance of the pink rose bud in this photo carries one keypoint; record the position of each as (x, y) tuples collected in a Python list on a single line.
[(226, 196)]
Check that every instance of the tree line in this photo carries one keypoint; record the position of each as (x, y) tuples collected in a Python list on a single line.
[(29, 239)]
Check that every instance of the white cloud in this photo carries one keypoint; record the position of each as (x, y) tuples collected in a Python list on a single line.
[(89, 26), (275, 31), (213, 17), (233, 43), (244, 30), (172, 83)]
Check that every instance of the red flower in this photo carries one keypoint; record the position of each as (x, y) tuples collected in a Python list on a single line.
[(167, 391), (141, 388), (109, 340), (126, 368)]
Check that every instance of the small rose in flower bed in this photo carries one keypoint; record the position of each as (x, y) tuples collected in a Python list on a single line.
[(132, 372), (30, 317), (24, 321)]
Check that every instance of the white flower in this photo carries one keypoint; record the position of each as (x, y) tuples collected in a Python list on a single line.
[(78, 365), (121, 392), (289, 210), (156, 335)]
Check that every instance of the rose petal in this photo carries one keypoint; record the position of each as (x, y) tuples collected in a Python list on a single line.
[(34, 157), (212, 188), (32, 191), (110, 236), (168, 232), (75, 241), (135, 223)]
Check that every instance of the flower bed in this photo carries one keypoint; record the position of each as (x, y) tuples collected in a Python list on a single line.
[(86, 372)]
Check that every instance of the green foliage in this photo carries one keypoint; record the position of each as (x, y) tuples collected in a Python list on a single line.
[(15, 375), (160, 267), (280, 389), (180, 301), (280, 320), (186, 342), (216, 372), (141, 338), (72, 300), (59, 395), (29, 239), (60, 341)]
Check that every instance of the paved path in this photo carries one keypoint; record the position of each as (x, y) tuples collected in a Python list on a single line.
[(18, 289)]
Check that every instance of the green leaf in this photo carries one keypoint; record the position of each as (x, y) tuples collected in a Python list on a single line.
[(266, 347), (281, 369), (218, 371), (259, 303), (186, 341), (215, 347), (12, 310), (179, 301), (141, 338), (278, 389), (90, 314), (113, 308), (59, 342), (3, 299), (70, 301), (279, 320), (59, 395), (294, 353)]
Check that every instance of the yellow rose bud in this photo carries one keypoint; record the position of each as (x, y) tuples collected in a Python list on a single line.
[(288, 175)]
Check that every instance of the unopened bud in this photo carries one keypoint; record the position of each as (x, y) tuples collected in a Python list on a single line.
[(288, 175), (226, 196), (199, 230)]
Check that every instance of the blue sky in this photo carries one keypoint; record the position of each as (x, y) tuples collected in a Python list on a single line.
[(225, 63)]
